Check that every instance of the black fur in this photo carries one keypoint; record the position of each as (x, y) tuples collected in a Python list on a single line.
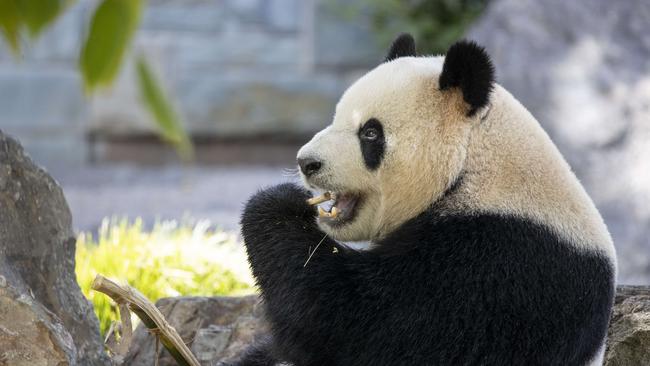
[(403, 46), (372, 151), (468, 67), (257, 354), (459, 290)]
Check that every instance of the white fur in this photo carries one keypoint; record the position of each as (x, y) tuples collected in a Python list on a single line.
[(508, 163)]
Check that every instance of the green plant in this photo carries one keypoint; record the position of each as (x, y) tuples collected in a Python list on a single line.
[(168, 260), (435, 24), (111, 31)]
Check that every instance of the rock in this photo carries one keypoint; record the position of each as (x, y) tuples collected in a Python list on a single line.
[(585, 75), (30, 334), (215, 328), (629, 330), (44, 318), (218, 328)]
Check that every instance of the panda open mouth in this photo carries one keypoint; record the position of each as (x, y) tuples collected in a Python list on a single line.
[(335, 208)]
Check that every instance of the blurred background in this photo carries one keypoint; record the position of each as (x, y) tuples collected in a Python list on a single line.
[(160, 118)]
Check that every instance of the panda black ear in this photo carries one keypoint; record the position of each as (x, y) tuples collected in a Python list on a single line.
[(403, 46), (468, 66)]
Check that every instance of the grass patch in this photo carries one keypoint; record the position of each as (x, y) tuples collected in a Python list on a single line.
[(169, 260)]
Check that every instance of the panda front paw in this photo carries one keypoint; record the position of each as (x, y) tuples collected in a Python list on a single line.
[(285, 201)]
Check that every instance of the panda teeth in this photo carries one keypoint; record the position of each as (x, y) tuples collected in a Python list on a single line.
[(326, 205), (323, 213), (332, 213)]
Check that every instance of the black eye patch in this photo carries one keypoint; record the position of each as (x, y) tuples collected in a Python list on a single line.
[(372, 142)]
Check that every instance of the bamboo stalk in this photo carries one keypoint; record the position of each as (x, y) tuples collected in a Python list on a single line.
[(151, 317)]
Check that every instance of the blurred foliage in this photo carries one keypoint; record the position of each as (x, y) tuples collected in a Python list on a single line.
[(435, 24), (32, 16), (162, 110), (111, 31), (169, 260), (37, 14), (11, 22)]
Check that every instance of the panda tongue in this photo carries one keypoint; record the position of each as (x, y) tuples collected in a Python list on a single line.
[(327, 205)]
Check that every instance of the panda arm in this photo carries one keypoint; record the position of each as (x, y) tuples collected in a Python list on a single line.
[(280, 233), (316, 307)]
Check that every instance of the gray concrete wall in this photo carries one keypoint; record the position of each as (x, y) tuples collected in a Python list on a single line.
[(235, 68)]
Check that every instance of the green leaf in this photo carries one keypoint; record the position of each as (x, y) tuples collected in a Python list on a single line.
[(162, 110), (37, 14), (10, 23), (111, 30)]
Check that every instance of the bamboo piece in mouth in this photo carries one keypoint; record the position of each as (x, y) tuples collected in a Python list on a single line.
[(319, 199)]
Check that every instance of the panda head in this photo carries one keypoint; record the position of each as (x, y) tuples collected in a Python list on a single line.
[(398, 140)]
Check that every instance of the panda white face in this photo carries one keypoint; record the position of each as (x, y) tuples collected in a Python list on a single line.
[(408, 131), (396, 143)]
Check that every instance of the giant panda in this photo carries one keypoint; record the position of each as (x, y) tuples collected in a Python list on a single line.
[(482, 246)]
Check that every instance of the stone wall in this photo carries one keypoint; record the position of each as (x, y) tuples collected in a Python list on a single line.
[(234, 67)]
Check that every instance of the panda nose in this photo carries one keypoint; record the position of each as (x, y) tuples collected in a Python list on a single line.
[(309, 166)]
